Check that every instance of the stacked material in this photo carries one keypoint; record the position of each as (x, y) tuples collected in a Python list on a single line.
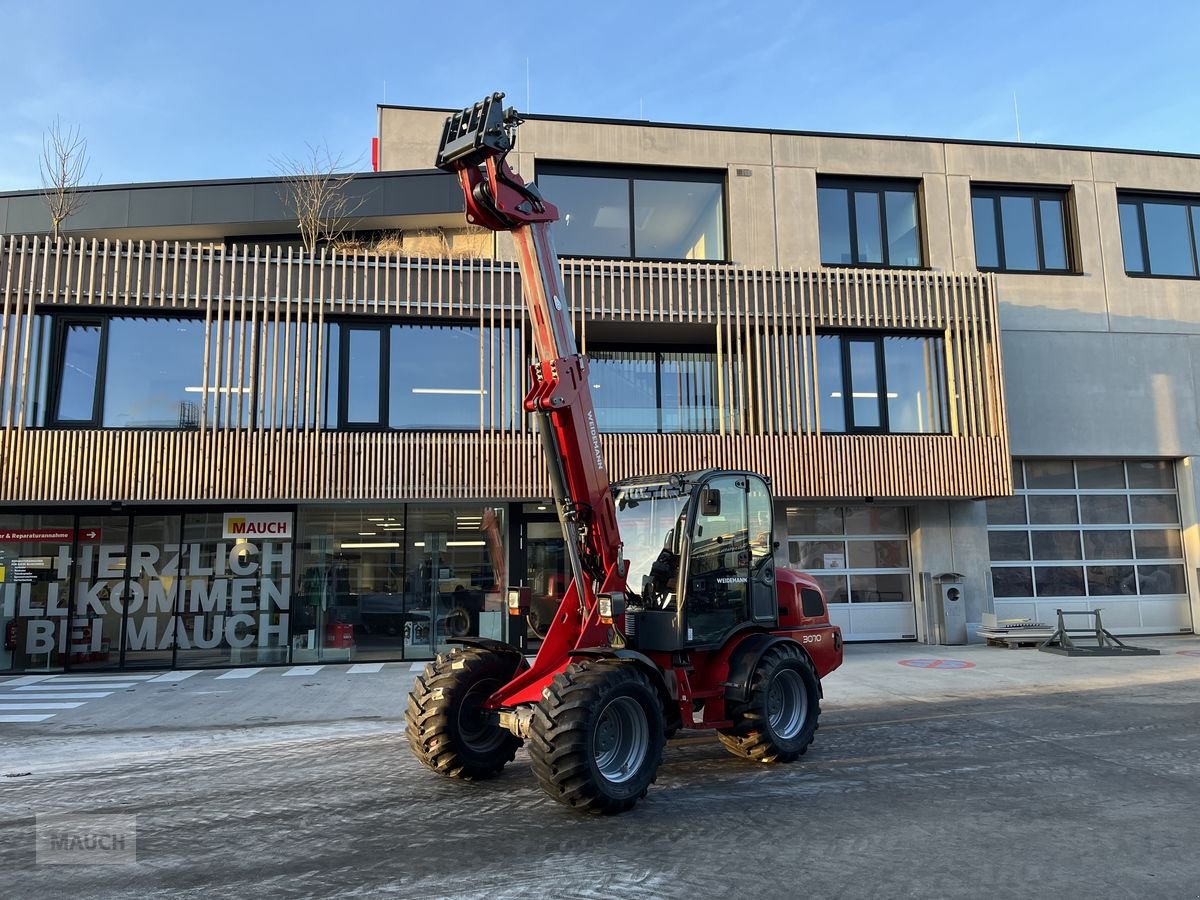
[(1014, 632)]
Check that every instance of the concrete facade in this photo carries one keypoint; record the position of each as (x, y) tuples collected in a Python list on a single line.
[(1098, 364)]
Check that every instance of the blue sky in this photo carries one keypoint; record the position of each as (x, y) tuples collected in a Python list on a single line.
[(166, 91)]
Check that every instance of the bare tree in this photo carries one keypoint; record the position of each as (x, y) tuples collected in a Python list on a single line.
[(64, 165), (314, 191)]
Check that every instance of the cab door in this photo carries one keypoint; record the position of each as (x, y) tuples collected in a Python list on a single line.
[(719, 563)]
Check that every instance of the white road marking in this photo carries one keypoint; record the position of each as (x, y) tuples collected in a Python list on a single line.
[(172, 677), (10, 706), (303, 670), (24, 718), (123, 676), (108, 686), (417, 667), (27, 679), (239, 673), (364, 668), (63, 696)]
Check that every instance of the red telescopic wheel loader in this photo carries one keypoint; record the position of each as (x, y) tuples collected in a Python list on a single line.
[(676, 615)]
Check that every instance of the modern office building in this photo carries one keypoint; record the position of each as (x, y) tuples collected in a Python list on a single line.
[(952, 359)]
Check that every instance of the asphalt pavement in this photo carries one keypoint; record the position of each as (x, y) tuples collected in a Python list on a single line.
[(937, 772)]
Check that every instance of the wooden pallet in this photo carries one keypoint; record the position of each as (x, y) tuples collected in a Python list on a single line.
[(1015, 641)]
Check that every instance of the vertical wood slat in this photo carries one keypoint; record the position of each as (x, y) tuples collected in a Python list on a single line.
[(765, 323)]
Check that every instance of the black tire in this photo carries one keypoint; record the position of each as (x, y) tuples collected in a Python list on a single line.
[(445, 729), (598, 736), (779, 720)]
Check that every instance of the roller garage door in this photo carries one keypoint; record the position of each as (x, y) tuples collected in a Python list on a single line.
[(1091, 534)]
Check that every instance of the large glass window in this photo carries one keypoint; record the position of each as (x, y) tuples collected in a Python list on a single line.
[(381, 582), (1020, 230), (890, 383), (650, 391), (1159, 234), (868, 223), (639, 213), (417, 377), (141, 372)]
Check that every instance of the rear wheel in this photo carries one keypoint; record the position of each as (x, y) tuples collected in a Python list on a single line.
[(446, 727), (598, 736), (779, 719)]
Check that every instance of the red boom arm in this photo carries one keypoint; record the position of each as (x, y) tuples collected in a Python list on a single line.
[(474, 146)]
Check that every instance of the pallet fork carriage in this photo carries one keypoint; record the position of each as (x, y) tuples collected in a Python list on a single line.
[(676, 615), (1064, 640)]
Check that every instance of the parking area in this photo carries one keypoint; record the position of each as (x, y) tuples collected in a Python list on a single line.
[(937, 772)]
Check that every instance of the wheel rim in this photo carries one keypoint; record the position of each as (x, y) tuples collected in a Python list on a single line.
[(475, 731), (622, 739), (787, 703)]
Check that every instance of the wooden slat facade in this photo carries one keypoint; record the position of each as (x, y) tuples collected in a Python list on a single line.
[(261, 433)]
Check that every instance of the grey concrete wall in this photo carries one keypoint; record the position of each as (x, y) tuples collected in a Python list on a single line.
[(1102, 394)]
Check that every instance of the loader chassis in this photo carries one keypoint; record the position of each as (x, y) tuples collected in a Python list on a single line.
[(676, 615)]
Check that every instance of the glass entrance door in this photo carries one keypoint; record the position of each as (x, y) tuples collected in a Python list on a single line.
[(541, 564)]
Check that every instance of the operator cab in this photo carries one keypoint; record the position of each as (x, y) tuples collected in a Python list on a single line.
[(701, 550)]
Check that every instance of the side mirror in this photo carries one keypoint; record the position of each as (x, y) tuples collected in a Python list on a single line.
[(710, 502)]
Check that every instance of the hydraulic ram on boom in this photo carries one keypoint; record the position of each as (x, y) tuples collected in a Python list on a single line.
[(687, 623)]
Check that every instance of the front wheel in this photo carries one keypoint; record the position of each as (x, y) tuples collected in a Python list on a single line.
[(598, 736), (779, 719), (446, 726)]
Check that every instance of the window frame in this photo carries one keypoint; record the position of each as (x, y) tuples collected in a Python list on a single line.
[(878, 339), (658, 352), (631, 174), (1138, 199), (62, 326), (383, 329), (1036, 193), (879, 186)]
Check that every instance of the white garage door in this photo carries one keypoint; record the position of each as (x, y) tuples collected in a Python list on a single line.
[(1091, 534), (860, 556)]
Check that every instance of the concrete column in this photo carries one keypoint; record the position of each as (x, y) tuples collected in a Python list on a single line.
[(951, 536)]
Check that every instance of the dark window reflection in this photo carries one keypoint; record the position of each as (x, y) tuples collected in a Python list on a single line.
[(868, 224), (1012, 582), (904, 238), (633, 215), (987, 250), (1168, 236), (1131, 238), (1020, 235), (1108, 581), (870, 239), (154, 373), (1033, 230), (833, 220), (864, 384), (830, 383), (594, 214), (648, 391), (364, 355), (1059, 581), (436, 378), (79, 373), (916, 385), (678, 220)]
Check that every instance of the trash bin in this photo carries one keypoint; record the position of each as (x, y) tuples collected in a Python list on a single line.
[(953, 608)]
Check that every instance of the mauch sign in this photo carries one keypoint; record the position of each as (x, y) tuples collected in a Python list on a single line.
[(276, 526)]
